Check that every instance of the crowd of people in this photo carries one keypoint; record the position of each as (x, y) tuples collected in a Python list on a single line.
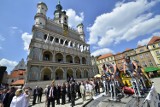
[(69, 91), (14, 97)]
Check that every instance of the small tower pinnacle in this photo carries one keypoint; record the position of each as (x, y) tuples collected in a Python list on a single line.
[(59, 2)]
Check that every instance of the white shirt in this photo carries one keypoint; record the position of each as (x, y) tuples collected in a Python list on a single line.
[(27, 98), (18, 101)]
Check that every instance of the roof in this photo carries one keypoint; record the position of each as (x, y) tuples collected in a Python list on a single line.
[(105, 56), (16, 73), (154, 39), (18, 82)]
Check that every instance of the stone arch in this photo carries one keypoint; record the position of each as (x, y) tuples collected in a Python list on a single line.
[(69, 73), (69, 59), (47, 56), (83, 60), (59, 57), (76, 59), (46, 73), (85, 74), (78, 73), (59, 74)]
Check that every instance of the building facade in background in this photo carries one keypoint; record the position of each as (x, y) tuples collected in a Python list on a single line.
[(56, 50), (154, 47), (18, 74), (144, 57), (105, 58)]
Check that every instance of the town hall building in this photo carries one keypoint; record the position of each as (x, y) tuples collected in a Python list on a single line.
[(57, 51)]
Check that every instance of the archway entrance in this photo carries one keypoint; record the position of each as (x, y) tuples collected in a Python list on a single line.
[(69, 73), (78, 73), (46, 74), (59, 74), (85, 74)]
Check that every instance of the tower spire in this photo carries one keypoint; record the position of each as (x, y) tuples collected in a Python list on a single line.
[(59, 2)]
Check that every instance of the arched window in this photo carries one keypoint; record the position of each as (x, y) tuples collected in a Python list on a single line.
[(57, 40), (83, 60), (59, 57), (47, 56)]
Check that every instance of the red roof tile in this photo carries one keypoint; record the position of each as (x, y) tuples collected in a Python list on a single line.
[(105, 56), (16, 73), (154, 39), (18, 82)]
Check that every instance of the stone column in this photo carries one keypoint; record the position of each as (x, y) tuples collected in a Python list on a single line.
[(53, 73), (64, 73), (74, 74), (80, 60), (53, 58), (82, 73), (39, 76), (64, 58), (73, 59)]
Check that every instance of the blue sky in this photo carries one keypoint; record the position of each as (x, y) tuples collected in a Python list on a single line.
[(110, 25)]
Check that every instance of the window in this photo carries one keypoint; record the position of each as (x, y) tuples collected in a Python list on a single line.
[(146, 54), (141, 56), (51, 38), (57, 40), (157, 53), (150, 62), (159, 44), (45, 36), (61, 41), (153, 46), (141, 50)]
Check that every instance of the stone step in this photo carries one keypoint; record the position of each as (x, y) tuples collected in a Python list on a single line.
[(44, 83)]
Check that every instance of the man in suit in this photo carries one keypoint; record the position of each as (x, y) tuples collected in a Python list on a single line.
[(51, 95), (5, 97), (11, 95), (73, 93), (35, 94)]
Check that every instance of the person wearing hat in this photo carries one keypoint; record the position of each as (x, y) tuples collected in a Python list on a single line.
[(19, 99), (51, 94)]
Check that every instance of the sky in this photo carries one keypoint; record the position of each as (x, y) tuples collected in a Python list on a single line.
[(110, 26)]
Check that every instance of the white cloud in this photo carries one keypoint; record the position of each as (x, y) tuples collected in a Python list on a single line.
[(13, 30), (26, 37), (74, 19), (2, 38), (101, 51), (124, 24), (14, 27), (156, 34), (8, 63), (144, 41)]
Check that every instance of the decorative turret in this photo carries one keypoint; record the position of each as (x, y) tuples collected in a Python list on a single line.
[(58, 13), (40, 17), (64, 18), (81, 32)]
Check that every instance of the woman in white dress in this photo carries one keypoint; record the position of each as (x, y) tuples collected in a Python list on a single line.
[(19, 99)]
